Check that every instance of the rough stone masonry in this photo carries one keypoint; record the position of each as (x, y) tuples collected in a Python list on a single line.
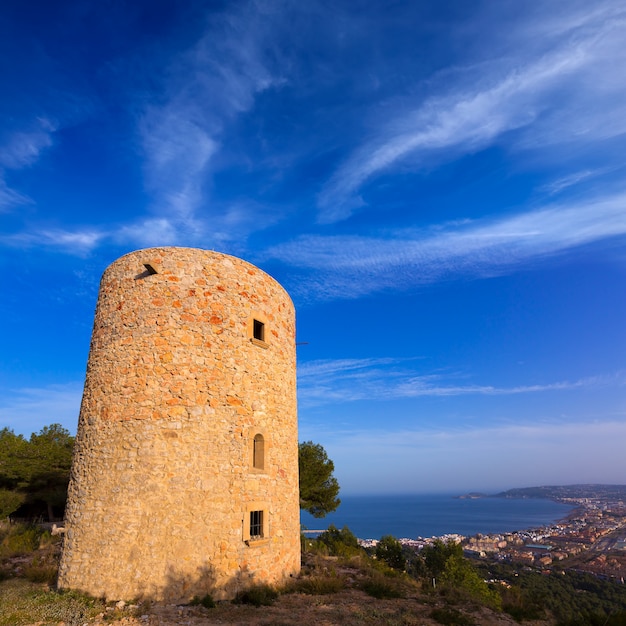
[(185, 474)]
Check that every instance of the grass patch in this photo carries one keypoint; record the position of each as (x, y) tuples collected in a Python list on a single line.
[(21, 539), (316, 585), (380, 588), (23, 602), (451, 617), (41, 574), (258, 595)]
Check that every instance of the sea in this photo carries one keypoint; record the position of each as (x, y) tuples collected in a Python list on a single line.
[(413, 516)]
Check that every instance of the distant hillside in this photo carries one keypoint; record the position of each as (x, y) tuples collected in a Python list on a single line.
[(558, 492)]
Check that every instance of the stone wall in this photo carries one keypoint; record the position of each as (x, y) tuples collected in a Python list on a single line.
[(164, 483)]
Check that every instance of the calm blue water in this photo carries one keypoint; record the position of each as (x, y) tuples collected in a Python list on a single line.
[(410, 516)]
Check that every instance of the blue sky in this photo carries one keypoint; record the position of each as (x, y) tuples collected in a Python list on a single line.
[(439, 185)]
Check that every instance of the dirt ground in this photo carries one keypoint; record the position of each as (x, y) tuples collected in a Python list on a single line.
[(346, 608)]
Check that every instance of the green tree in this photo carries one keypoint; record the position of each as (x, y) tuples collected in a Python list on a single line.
[(339, 542), (10, 501), (13, 452), (389, 550), (51, 461), (446, 564), (459, 574), (35, 470), (437, 555), (318, 487)]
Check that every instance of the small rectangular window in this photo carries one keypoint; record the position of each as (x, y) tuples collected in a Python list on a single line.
[(256, 525), (258, 330)]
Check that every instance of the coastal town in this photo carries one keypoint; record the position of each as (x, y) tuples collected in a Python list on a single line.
[(592, 538)]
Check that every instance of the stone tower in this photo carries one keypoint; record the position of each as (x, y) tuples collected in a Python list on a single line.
[(185, 473)]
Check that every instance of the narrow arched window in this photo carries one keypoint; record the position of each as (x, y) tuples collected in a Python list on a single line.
[(258, 452)]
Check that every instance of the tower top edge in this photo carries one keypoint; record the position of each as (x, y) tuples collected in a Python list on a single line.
[(147, 255)]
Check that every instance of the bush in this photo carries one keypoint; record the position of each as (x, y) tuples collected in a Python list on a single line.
[(381, 588), (317, 585), (41, 574), (20, 539), (451, 617), (337, 542), (389, 550), (206, 601), (386, 583), (258, 595)]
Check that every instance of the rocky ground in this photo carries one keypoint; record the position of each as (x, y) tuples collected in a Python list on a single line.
[(350, 606), (346, 608)]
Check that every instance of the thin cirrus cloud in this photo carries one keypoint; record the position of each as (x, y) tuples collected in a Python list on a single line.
[(352, 266), (79, 242), (22, 149), (226, 230), (556, 186), (10, 198), (206, 88), (382, 379), (553, 98)]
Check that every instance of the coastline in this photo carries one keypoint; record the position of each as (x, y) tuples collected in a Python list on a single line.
[(411, 516)]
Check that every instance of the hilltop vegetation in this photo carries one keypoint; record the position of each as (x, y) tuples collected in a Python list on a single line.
[(567, 492), (35, 472), (340, 583)]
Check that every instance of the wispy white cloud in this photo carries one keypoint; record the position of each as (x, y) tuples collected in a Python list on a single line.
[(558, 185), (77, 242), (351, 266), (565, 94), (23, 148), (10, 198), (235, 222), (28, 410), (382, 379), (149, 232), (206, 88)]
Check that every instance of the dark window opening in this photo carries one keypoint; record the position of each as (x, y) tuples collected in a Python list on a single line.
[(258, 330), (258, 452), (256, 524), (149, 271)]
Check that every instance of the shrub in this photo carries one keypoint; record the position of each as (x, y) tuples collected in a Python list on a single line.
[(317, 585), (451, 617), (258, 595), (21, 539), (461, 578), (206, 601), (389, 550), (37, 573), (382, 586), (339, 542)]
